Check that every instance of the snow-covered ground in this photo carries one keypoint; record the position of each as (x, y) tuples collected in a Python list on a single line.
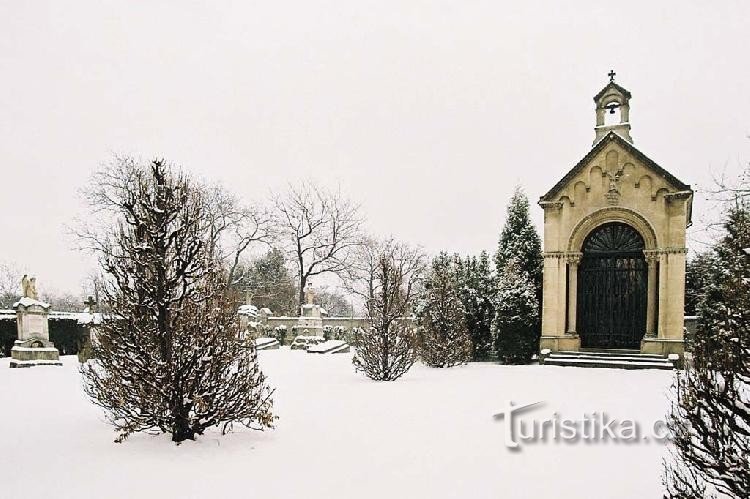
[(430, 434)]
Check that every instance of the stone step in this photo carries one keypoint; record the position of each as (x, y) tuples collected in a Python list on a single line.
[(626, 358), (610, 353), (608, 363)]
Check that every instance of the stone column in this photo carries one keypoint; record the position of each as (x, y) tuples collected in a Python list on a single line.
[(573, 260), (663, 291), (652, 258)]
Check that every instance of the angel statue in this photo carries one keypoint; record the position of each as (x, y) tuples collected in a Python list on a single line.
[(28, 287)]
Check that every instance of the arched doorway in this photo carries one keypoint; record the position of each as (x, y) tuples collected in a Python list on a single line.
[(612, 288)]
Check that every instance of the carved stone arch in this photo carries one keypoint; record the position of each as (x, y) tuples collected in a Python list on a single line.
[(612, 214), (660, 192)]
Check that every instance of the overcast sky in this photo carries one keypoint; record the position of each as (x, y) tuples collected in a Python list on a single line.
[(426, 112)]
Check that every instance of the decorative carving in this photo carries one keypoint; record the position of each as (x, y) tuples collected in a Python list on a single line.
[(677, 196), (551, 205), (573, 258), (613, 193), (652, 256), (554, 254)]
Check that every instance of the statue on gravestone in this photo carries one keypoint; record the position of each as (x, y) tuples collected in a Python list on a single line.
[(309, 294), (28, 287), (25, 286), (32, 289)]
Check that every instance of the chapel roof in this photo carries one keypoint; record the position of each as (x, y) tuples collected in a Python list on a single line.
[(630, 148)]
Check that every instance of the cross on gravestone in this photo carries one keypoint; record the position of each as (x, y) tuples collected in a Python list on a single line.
[(611, 75), (90, 303)]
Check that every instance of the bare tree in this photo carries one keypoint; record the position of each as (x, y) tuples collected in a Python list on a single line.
[(233, 226), (388, 349), (319, 229), (10, 283), (169, 355), (360, 276)]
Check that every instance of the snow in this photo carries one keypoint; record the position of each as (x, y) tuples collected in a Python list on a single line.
[(331, 346), (341, 435), (265, 343), (248, 310), (39, 349), (27, 302)]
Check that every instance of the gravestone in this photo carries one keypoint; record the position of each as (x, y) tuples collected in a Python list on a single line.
[(33, 347), (311, 317)]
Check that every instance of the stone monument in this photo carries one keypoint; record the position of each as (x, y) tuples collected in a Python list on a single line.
[(311, 317), (32, 348)]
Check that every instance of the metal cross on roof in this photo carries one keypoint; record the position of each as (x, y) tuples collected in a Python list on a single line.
[(611, 75)]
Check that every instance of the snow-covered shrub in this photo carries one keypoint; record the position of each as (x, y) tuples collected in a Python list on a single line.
[(387, 349), (334, 332), (339, 333), (170, 355), (443, 336), (280, 332)]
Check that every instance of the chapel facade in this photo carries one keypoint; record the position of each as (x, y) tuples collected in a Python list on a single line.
[(615, 245)]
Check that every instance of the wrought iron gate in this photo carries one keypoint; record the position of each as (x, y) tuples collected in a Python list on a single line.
[(612, 288)]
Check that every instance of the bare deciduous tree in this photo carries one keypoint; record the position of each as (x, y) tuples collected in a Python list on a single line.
[(10, 284), (319, 229), (233, 226), (168, 354), (388, 283)]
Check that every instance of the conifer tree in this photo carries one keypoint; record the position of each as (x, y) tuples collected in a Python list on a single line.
[(444, 337), (477, 293), (697, 274), (710, 418), (516, 316), (168, 355), (520, 241)]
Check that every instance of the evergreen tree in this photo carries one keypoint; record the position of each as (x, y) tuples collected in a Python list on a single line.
[(697, 278), (710, 418), (477, 293), (444, 337), (168, 354), (516, 316), (520, 241)]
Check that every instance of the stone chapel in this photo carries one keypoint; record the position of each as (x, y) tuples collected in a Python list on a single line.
[(614, 245)]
